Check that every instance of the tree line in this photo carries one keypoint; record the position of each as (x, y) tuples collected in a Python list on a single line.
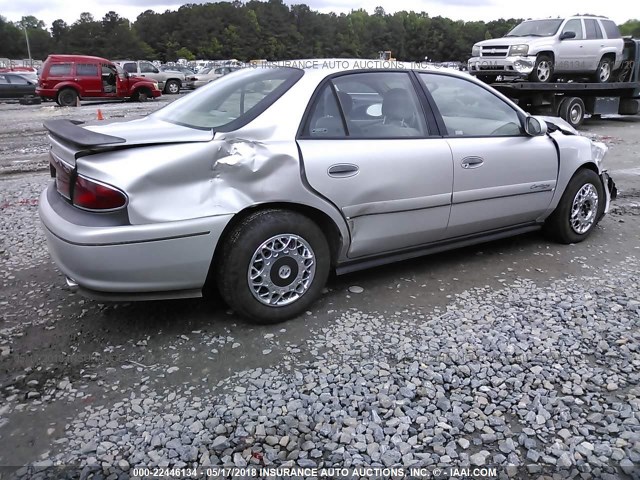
[(256, 29)]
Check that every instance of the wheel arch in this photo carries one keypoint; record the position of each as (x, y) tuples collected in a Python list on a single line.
[(68, 86), (549, 53), (575, 155), (609, 54), (325, 222)]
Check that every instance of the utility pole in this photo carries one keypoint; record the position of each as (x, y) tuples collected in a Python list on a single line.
[(28, 47)]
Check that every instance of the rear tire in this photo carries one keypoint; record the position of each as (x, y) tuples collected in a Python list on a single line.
[(604, 73), (572, 111), (579, 209), (542, 70), (273, 265), (172, 87), (67, 97)]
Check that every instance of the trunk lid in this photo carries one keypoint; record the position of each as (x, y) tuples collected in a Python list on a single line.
[(70, 139)]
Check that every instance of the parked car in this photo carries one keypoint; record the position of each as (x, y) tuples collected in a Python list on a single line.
[(210, 74), (540, 49), (189, 74), (365, 168), (13, 85), (70, 78), (168, 82)]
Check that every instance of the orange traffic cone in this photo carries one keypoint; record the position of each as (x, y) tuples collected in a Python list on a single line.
[(100, 117)]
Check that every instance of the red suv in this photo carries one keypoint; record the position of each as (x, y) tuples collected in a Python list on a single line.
[(69, 78)]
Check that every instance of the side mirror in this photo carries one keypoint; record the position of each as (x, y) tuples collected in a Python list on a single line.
[(566, 35), (535, 127), (127, 74)]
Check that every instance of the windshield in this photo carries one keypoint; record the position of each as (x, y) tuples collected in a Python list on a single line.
[(536, 28), (231, 101)]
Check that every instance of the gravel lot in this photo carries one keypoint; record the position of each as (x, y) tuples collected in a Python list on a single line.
[(519, 354)]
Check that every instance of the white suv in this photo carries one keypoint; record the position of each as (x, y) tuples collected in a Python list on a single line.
[(539, 49)]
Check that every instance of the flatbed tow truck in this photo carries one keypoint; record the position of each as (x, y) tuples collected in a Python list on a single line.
[(571, 100)]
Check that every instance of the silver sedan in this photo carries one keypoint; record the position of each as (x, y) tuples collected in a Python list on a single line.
[(264, 181)]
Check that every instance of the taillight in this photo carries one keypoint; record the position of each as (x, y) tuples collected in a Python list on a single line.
[(92, 195)]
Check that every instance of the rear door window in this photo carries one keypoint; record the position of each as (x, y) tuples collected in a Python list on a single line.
[(18, 80), (592, 29), (60, 69), (380, 105), (87, 70)]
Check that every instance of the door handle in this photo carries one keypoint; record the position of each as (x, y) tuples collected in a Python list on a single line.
[(472, 162), (341, 170)]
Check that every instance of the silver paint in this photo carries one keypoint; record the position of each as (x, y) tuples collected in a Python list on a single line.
[(185, 186)]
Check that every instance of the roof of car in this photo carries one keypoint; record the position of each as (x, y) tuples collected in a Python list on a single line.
[(75, 58), (328, 66)]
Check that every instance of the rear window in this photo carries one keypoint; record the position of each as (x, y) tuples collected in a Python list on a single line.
[(60, 69), (86, 70), (231, 101), (611, 29)]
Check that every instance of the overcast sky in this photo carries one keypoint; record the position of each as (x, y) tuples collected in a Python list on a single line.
[(69, 10)]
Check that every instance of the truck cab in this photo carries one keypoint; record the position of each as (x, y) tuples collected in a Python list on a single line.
[(169, 81)]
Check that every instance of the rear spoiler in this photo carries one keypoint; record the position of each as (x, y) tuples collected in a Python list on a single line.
[(71, 131)]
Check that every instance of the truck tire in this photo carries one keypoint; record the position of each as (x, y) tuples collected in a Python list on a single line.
[(542, 70), (572, 111), (629, 106), (172, 87), (487, 78), (67, 97)]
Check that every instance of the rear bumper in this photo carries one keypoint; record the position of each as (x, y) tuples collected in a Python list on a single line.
[(514, 66), (159, 260), (46, 92)]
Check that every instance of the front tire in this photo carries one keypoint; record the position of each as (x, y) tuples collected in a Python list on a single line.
[(273, 265), (579, 210), (141, 95), (487, 78), (572, 111), (542, 70)]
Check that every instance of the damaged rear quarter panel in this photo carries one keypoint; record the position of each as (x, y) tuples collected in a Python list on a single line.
[(192, 180)]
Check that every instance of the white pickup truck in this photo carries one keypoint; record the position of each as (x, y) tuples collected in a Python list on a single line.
[(168, 82)]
